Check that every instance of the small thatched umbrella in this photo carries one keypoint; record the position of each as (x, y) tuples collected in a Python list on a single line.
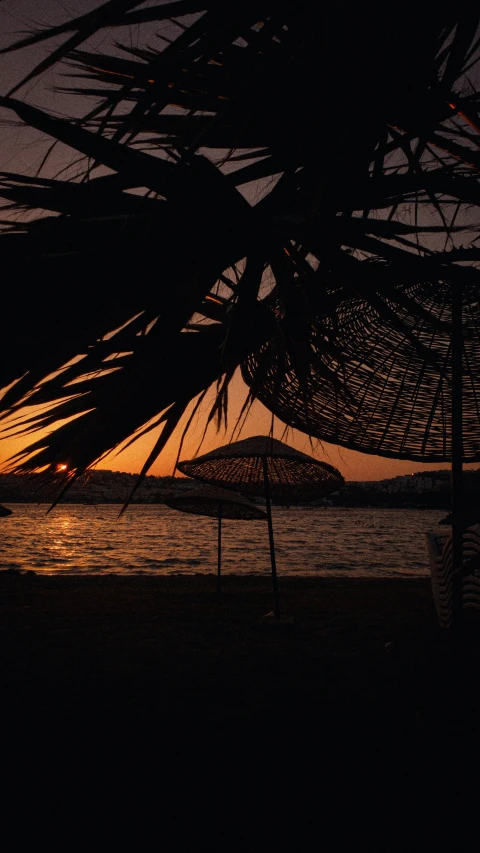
[(216, 503), (266, 467)]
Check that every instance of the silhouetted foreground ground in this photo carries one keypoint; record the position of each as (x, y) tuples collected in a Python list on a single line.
[(147, 678)]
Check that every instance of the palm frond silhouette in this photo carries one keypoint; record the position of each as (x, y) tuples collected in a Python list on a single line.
[(359, 132)]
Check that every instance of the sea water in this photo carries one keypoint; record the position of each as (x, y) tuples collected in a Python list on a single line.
[(153, 539)]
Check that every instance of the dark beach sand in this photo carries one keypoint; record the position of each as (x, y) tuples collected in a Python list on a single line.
[(151, 677)]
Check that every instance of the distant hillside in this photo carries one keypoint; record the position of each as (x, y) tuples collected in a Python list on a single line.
[(94, 488), (423, 489)]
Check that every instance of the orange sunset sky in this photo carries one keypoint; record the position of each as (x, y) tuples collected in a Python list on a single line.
[(353, 465)]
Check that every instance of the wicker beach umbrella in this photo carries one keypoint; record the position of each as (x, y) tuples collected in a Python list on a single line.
[(409, 369), (216, 503), (393, 357), (266, 467)]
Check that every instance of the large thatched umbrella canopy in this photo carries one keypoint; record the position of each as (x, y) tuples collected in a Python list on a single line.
[(359, 128), (265, 466), (393, 358), (219, 504), (409, 367)]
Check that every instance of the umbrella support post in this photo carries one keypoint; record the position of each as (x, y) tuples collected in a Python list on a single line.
[(457, 456), (273, 618), (219, 563), (276, 604)]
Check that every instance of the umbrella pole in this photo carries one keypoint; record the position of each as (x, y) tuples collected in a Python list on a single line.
[(219, 564), (272, 544), (457, 456)]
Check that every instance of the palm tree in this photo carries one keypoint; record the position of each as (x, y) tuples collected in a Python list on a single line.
[(358, 131)]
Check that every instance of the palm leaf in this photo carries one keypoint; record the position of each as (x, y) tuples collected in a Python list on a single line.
[(362, 134)]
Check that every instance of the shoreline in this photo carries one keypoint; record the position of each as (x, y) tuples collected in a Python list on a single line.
[(443, 507), (319, 574)]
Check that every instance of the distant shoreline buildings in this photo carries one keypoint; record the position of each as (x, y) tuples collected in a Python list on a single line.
[(423, 490)]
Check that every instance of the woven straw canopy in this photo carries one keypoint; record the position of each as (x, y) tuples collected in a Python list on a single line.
[(205, 500), (292, 475), (378, 380)]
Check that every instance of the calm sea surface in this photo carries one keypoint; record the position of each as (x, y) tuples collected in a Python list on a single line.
[(79, 539)]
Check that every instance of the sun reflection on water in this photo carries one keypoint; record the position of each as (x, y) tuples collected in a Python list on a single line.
[(78, 539)]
